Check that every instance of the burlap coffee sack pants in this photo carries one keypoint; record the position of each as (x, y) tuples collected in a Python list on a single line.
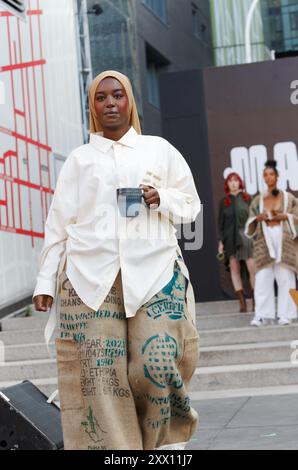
[(123, 381)]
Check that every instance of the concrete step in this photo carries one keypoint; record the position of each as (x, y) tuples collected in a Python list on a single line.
[(204, 322), (33, 369), (49, 385), (223, 306), (207, 318), (244, 392), (24, 323), (31, 358), (223, 320), (249, 334), (244, 376), (26, 352), (23, 337), (223, 381), (216, 337), (252, 353), (209, 356)]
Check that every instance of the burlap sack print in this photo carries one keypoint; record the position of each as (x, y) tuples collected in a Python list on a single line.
[(261, 253), (106, 419), (133, 374), (164, 353), (289, 255), (72, 403)]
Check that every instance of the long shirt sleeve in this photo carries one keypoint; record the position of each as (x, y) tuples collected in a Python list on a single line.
[(62, 211), (179, 201)]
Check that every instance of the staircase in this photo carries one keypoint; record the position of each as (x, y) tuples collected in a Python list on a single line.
[(235, 358)]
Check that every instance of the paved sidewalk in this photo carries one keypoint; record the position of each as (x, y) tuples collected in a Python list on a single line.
[(247, 423)]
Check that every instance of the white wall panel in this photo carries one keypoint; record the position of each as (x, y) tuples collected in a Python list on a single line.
[(40, 117)]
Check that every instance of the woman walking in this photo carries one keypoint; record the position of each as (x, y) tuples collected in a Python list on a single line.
[(128, 343), (273, 224), (233, 214)]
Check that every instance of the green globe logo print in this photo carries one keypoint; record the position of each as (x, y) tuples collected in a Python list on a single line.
[(159, 353)]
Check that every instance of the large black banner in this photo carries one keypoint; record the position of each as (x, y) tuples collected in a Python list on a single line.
[(227, 118)]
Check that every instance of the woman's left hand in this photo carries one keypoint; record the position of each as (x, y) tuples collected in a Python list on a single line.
[(151, 196)]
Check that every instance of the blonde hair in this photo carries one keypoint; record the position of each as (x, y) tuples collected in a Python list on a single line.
[(124, 80)]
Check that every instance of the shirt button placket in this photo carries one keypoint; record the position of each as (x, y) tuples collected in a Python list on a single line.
[(117, 150)]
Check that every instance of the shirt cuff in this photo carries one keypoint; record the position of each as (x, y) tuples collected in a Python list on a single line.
[(247, 231), (292, 225), (45, 287)]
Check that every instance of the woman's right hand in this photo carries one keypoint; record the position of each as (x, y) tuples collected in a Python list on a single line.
[(42, 302), (262, 217), (221, 247)]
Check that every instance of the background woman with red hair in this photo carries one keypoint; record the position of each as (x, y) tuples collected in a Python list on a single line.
[(236, 247)]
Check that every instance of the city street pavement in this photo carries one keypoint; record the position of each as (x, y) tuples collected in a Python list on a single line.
[(247, 423)]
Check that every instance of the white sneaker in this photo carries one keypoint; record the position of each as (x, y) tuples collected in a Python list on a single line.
[(257, 322), (284, 321)]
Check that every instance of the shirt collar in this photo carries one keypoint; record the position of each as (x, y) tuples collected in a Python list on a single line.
[(104, 144)]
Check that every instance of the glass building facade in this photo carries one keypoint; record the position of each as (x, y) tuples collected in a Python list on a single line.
[(280, 18), (113, 40), (228, 25)]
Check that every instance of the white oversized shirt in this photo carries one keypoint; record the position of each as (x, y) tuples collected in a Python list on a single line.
[(85, 228)]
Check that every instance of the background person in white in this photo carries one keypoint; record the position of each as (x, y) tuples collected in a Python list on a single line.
[(118, 155), (273, 224)]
